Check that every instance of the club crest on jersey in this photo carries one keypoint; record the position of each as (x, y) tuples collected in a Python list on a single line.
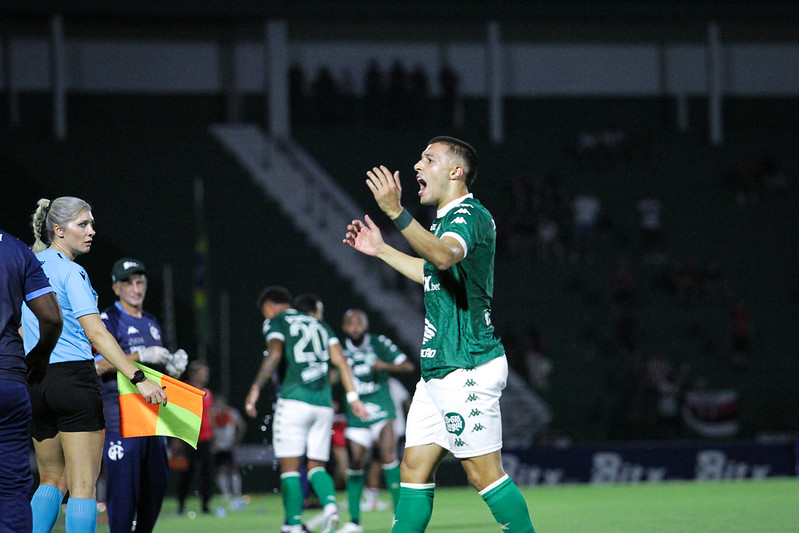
[(455, 423), (154, 332), (132, 330), (116, 451)]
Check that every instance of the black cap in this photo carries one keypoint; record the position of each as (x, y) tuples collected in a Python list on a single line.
[(126, 266)]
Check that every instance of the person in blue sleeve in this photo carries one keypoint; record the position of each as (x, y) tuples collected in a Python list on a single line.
[(21, 280), (67, 405), (137, 468)]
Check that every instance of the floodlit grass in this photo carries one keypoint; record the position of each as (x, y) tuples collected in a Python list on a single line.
[(754, 505)]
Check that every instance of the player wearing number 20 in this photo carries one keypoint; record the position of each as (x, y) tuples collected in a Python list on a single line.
[(304, 347)]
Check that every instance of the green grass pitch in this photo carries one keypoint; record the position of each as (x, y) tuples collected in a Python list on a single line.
[(752, 505)]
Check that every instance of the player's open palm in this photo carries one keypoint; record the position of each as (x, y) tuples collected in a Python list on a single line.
[(364, 236)]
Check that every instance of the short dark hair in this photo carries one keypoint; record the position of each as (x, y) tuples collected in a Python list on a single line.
[(307, 303), (463, 150), (274, 294)]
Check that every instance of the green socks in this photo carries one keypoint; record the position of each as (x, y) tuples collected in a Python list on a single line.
[(291, 490), (508, 506), (355, 483), (322, 485), (414, 509), (392, 473)]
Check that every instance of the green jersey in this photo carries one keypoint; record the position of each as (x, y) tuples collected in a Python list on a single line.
[(372, 385), (306, 352), (457, 327)]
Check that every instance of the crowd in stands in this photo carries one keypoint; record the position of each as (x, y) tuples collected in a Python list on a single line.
[(397, 97)]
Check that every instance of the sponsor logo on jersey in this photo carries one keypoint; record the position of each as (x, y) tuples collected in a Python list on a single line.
[(427, 353), (132, 330), (116, 451), (455, 423), (429, 285)]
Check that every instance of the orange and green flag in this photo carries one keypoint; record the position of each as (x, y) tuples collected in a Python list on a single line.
[(179, 418)]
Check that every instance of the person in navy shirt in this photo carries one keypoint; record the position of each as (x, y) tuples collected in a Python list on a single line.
[(137, 468), (67, 405), (21, 280)]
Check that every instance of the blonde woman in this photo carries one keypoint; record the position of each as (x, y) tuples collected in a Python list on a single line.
[(68, 423)]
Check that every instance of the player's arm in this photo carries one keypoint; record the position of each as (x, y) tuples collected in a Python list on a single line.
[(339, 360), (106, 344), (48, 312), (272, 358), (365, 237), (386, 188), (404, 366), (148, 356)]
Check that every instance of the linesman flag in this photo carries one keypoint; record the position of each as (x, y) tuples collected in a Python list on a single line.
[(179, 418)]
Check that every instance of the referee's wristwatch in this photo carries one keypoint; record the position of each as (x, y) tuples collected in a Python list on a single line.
[(138, 377)]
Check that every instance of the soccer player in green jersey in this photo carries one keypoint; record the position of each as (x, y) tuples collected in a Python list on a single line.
[(455, 407), (371, 358), (304, 412)]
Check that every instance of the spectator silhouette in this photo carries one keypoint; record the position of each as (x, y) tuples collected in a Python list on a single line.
[(448, 79), (397, 93), (326, 96)]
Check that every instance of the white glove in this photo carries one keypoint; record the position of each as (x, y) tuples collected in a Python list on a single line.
[(153, 355), (176, 363)]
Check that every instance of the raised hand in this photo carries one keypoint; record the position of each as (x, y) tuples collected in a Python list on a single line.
[(364, 237), (386, 189)]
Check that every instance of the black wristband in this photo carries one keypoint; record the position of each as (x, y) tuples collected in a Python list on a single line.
[(403, 220), (138, 377)]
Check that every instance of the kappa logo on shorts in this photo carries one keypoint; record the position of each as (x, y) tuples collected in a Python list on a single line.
[(116, 451), (470, 383), (475, 412), (455, 423), (459, 443), (478, 427), (471, 398)]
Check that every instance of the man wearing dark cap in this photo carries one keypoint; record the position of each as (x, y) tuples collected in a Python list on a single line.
[(137, 468)]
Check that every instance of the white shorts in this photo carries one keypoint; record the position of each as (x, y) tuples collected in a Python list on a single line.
[(365, 436), (459, 412), (301, 429)]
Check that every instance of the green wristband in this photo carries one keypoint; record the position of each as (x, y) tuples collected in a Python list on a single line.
[(404, 220)]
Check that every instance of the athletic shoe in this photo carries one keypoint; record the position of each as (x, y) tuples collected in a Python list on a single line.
[(351, 527), (331, 521)]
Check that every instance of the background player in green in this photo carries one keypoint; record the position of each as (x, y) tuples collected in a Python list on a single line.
[(303, 346), (455, 406), (371, 358)]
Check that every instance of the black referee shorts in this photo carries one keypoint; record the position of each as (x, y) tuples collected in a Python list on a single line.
[(68, 400)]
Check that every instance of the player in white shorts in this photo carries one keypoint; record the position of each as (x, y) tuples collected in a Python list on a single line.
[(302, 346), (456, 404)]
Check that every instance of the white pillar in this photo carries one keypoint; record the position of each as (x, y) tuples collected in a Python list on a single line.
[(715, 85), (14, 117), (229, 79), (58, 76), (494, 66), (276, 79)]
